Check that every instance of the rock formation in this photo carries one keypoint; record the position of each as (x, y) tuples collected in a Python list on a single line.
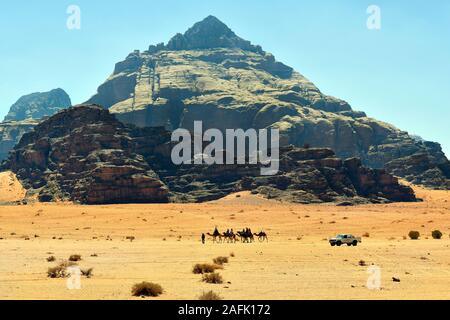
[(38, 105), (84, 154), (10, 134), (211, 74), (26, 113), (306, 176)]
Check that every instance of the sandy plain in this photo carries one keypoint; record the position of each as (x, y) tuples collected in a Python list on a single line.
[(296, 263)]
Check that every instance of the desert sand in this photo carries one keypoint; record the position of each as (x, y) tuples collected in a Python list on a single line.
[(296, 263)]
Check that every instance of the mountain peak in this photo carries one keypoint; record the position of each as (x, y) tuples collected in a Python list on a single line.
[(38, 105), (208, 34), (210, 26)]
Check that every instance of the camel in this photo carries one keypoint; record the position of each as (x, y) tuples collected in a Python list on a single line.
[(215, 236), (246, 237), (230, 237), (262, 236)]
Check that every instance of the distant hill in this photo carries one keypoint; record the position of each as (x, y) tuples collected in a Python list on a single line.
[(38, 105), (26, 113)]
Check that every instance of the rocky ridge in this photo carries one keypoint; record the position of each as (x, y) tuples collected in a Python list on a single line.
[(84, 154)]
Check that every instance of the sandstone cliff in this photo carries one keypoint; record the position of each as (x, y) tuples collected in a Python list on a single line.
[(84, 154), (211, 74)]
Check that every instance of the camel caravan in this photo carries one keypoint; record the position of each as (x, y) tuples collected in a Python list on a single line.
[(244, 236)]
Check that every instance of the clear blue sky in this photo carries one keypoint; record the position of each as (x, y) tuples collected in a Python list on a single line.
[(400, 74)]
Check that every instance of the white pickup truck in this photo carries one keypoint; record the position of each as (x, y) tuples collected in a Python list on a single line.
[(347, 239)]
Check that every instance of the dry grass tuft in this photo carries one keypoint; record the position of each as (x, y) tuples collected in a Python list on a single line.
[(87, 272), (414, 235), (60, 271), (202, 268), (220, 260), (436, 234), (212, 278), (210, 295), (75, 258), (146, 289)]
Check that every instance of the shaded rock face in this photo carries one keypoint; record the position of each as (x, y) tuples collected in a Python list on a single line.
[(422, 169), (10, 134), (26, 113), (306, 176), (212, 75), (84, 154), (38, 105), (208, 34)]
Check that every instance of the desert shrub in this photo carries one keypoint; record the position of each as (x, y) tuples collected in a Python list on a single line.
[(436, 234), (201, 268), (75, 258), (210, 295), (87, 272), (362, 263), (51, 259), (414, 235), (60, 271), (366, 235), (146, 289), (232, 254), (220, 260), (56, 272), (213, 278)]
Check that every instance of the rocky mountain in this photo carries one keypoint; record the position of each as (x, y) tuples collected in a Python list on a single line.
[(211, 74), (38, 105), (26, 113), (84, 154)]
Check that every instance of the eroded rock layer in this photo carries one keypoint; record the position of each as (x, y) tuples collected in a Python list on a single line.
[(84, 154)]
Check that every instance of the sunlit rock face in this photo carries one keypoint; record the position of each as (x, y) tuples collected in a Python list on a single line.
[(84, 154), (212, 75)]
